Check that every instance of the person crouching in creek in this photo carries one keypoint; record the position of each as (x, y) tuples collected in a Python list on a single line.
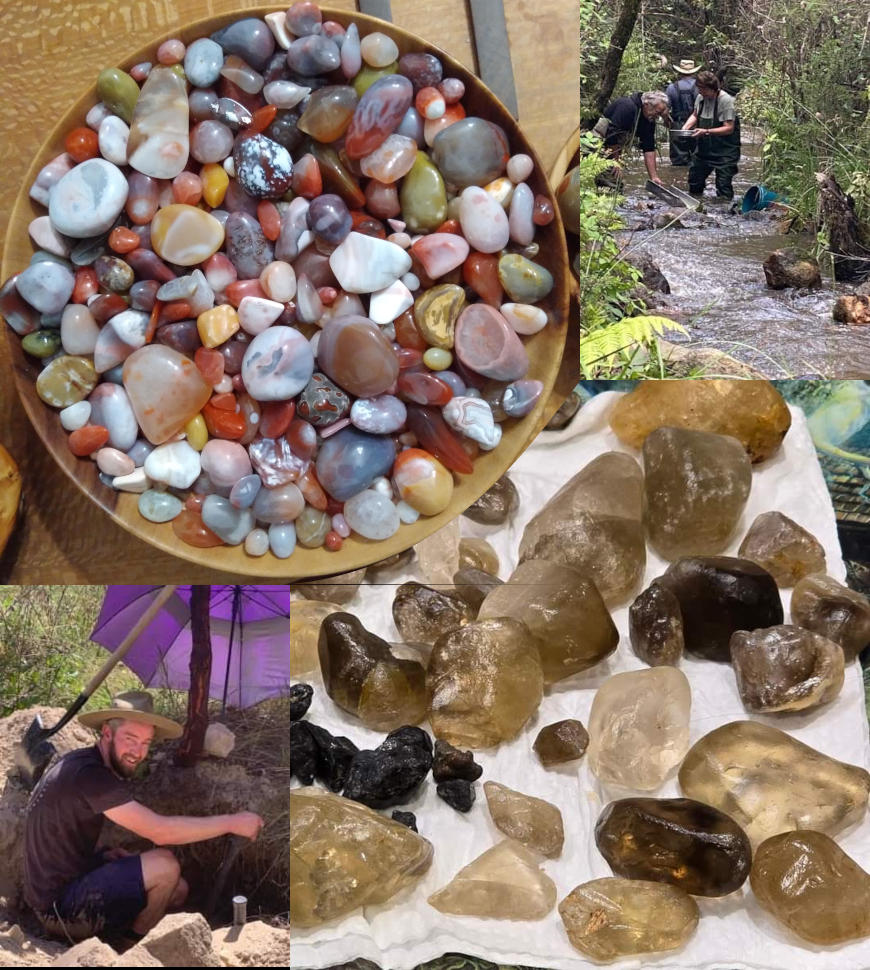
[(718, 134), (78, 891), (626, 118)]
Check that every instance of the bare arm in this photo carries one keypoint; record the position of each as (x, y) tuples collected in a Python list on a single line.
[(181, 829), (650, 162), (691, 121), (724, 129)]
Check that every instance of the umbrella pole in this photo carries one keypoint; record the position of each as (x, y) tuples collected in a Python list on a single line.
[(193, 738), (236, 616)]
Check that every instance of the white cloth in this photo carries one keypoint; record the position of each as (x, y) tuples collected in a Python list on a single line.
[(734, 933)]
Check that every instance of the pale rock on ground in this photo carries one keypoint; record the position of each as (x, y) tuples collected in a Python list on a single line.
[(255, 944)]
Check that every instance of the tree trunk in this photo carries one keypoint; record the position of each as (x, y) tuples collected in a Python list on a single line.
[(191, 744), (619, 39), (851, 258)]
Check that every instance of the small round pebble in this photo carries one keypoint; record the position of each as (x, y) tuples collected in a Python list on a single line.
[(405, 818)]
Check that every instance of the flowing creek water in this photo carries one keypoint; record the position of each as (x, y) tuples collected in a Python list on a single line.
[(714, 268)]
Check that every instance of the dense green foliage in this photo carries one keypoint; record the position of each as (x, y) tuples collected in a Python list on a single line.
[(46, 656), (802, 70)]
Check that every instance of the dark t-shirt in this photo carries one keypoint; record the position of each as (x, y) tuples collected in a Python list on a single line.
[(626, 118), (63, 823)]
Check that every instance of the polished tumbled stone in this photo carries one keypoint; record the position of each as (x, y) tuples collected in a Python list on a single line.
[(561, 742)]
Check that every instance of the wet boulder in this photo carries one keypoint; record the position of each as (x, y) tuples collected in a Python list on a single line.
[(650, 274), (785, 268), (853, 309)]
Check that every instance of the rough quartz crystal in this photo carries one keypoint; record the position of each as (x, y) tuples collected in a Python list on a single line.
[(474, 585), (821, 604), (612, 917), (655, 626), (423, 614), (639, 727), (564, 612), (719, 595), (478, 554), (785, 668), (306, 616), (560, 742), (593, 523), (503, 883), (696, 485), (676, 840), (808, 883), (785, 549), (754, 412), (362, 675), (343, 856), (769, 782), (532, 821), (485, 681), (438, 554)]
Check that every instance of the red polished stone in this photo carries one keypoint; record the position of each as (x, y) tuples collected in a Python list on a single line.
[(433, 434), (480, 272)]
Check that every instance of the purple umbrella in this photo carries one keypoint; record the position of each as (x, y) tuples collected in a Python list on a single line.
[(250, 637)]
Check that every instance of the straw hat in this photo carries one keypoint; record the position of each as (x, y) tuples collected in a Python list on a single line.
[(133, 705), (686, 67)]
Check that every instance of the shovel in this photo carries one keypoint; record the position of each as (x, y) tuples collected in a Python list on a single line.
[(34, 751), (236, 844)]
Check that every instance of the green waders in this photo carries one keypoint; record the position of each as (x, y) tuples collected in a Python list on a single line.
[(716, 153)]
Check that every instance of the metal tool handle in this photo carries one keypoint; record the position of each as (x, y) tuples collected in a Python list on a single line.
[(114, 658)]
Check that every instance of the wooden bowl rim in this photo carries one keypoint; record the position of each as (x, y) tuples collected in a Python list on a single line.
[(545, 348)]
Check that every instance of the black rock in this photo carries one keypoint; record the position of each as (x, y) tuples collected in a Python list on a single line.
[(450, 763), (300, 700), (391, 773), (458, 794), (334, 756), (406, 818), (497, 503), (303, 752)]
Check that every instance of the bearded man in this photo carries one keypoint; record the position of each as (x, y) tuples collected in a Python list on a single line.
[(78, 891)]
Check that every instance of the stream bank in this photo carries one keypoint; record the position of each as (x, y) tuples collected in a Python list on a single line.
[(713, 263)]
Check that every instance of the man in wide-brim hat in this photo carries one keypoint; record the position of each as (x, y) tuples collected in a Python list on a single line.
[(78, 891), (681, 98)]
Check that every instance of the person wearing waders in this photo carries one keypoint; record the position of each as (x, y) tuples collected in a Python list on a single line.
[(681, 97), (718, 136)]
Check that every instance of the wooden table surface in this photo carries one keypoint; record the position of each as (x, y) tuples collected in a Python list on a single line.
[(52, 53)]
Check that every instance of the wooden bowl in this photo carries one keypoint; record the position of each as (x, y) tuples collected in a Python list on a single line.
[(545, 348)]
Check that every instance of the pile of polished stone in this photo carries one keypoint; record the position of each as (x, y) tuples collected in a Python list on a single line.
[(283, 283), (757, 803)]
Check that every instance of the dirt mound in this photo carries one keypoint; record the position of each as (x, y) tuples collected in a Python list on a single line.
[(13, 794)]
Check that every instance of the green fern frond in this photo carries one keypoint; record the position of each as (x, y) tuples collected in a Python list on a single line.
[(617, 337)]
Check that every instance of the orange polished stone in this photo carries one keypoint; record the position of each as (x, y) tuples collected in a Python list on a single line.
[(312, 490), (270, 219), (238, 290), (190, 528), (82, 144), (480, 272), (123, 240), (422, 481), (275, 418), (407, 333), (86, 284), (223, 424), (86, 440), (261, 119), (210, 364)]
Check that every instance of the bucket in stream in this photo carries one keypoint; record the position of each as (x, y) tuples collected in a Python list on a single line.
[(757, 198)]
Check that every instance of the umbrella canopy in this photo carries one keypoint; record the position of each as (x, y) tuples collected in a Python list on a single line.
[(250, 638)]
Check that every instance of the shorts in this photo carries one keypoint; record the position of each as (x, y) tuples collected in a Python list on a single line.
[(104, 901)]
